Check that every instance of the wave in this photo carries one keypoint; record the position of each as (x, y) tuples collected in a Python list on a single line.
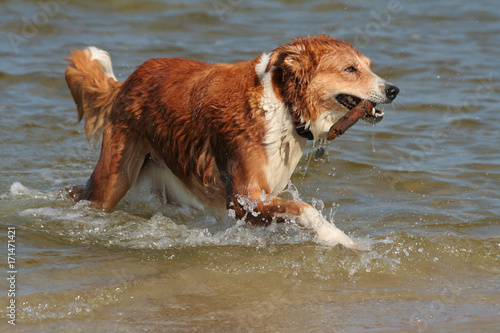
[(167, 227), (134, 227)]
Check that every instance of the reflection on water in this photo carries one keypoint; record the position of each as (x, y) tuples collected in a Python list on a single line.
[(419, 190)]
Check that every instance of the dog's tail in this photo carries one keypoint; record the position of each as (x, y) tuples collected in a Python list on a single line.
[(94, 88)]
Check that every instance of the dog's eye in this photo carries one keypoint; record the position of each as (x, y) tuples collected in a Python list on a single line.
[(350, 69)]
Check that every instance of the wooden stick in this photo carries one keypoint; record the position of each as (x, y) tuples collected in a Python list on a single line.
[(349, 119)]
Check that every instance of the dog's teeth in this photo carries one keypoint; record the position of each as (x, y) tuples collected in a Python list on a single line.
[(373, 111), (381, 112)]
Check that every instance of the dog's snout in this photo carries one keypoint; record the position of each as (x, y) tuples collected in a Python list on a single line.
[(391, 92)]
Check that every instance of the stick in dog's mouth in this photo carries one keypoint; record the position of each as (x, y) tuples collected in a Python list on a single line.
[(361, 110), (350, 102)]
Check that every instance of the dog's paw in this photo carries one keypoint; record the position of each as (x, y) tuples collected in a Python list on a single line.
[(75, 192), (328, 234)]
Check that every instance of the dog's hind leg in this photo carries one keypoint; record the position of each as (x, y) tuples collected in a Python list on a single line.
[(121, 159)]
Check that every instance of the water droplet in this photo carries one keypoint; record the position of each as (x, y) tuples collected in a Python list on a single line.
[(320, 152), (373, 137)]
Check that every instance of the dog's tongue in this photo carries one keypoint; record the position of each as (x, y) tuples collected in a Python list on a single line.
[(350, 118)]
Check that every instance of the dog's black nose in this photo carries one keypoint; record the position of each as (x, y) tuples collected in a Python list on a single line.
[(391, 92)]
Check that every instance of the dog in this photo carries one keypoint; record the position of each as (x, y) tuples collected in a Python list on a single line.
[(220, 137)]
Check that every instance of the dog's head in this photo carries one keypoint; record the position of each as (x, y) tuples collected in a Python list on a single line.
[(321, 78)]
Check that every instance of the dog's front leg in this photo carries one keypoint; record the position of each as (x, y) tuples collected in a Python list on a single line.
[(261, 209), (327, 232)]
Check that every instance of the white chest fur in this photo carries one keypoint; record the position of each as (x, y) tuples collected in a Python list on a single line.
[(284, 147)]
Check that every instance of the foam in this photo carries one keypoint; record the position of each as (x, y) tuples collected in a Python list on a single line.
[(19, 190), (169, 226), (158, 232)]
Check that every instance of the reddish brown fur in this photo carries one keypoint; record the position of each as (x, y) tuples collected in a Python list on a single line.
[(205, 122), (93, 92), (164, 109), (299, 62)]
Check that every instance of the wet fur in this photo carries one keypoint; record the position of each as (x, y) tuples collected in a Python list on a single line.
[(215, 136)]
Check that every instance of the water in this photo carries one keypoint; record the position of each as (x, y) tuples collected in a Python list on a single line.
[(420, 190)]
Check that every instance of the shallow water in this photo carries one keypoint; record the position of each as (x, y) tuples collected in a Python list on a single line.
[(420, 190)]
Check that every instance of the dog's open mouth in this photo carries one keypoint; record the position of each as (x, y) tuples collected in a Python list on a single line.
[(373, 116)]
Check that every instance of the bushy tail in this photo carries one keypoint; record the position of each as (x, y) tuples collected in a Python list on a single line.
[(94, 88)]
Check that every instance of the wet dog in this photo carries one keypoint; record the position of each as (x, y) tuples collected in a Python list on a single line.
[(220, 136)]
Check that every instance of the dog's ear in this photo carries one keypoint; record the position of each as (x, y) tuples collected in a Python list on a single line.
[(292, 59)]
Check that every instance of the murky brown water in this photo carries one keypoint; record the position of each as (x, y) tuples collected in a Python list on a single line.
[(420, 190)]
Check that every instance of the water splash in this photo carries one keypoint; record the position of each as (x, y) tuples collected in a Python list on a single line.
[(18, 190), (177, 228), (169, 226)]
